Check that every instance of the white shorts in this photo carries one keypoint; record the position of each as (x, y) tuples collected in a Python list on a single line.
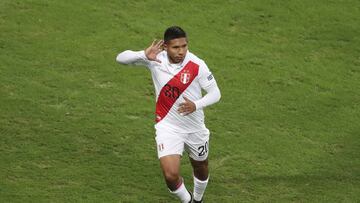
[(196, 144)]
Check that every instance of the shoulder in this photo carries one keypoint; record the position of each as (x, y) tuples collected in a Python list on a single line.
[(204, 72), (195, 59)]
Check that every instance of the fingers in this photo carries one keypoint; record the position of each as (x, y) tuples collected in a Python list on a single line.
[(186, 99), (154, 49), (157, 44), (153, 43), (184, 109), (181, 108)]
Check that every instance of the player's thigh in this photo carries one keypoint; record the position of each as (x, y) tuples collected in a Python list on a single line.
[(197, 145)]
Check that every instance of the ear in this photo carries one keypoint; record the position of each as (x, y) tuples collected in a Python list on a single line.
[(165, 46)]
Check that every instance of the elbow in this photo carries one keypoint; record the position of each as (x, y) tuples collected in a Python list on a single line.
[(122, 58), (119, 59), (218, 95)]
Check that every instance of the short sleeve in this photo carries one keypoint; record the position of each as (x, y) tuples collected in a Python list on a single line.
[(206, 78)]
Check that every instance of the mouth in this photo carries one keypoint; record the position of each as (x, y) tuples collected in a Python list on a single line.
[(179, 58)]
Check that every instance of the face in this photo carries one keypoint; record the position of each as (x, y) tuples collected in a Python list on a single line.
[(176, 49)]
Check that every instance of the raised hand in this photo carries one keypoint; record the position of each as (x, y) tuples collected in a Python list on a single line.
[(186, 107), (154, 49)]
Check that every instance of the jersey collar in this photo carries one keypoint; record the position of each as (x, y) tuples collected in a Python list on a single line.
[(183, 63)]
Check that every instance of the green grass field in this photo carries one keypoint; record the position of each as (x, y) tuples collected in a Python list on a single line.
[(75, 126)]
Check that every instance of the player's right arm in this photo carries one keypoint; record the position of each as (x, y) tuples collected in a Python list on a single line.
[(132, 57), (141, 57)]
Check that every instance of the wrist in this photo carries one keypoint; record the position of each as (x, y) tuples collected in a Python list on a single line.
[(144, 55), (198, 105)]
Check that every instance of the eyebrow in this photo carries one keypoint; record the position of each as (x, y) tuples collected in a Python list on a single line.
[(184, 45)]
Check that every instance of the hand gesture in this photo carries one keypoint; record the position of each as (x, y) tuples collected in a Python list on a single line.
[(153, 50), (186, 107)]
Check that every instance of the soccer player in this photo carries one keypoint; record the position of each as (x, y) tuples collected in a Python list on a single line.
[(179, 76)]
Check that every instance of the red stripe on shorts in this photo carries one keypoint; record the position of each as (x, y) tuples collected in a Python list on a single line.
[(172, 90)]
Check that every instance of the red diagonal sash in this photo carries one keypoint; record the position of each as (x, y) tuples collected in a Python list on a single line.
[(174, 88)]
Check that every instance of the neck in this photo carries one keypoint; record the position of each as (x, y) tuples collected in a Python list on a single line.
[(173, 62)]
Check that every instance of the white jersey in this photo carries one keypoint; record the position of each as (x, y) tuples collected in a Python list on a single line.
[(172, 82)]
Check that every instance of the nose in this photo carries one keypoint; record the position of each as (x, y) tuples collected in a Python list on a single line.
[(182, 51)]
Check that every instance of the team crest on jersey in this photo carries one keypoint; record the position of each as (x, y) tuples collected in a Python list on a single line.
[(185, 77)]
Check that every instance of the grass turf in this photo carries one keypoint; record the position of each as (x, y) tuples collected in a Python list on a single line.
[(76, 126)]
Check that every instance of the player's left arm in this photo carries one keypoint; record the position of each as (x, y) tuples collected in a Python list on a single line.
[(213, 95), (208, 83)]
